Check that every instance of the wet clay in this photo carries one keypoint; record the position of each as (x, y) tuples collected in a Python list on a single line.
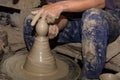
[(40, 63)]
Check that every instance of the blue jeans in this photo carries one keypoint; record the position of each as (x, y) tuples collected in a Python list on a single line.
[(94, 30)]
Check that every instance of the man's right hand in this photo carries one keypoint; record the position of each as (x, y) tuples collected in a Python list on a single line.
[(53, 31)]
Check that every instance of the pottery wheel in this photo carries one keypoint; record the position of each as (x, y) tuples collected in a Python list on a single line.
[(13, 68), (40, 63)]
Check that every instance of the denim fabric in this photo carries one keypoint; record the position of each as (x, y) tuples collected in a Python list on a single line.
[(98, 29), (70, 33), (111, 4), (95, 30), (29, 32)]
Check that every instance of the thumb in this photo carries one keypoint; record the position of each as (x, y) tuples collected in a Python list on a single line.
[(36, 18), (35, 12)]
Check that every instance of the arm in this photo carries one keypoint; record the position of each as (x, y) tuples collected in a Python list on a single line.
[(55, 9), (79, 5)]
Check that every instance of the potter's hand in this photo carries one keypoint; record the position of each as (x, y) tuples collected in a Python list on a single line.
[(50, 12), (53, 31)]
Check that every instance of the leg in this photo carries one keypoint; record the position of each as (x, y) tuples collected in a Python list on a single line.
[(94, 43), (98, 27), (113, 19), (72, 32), (29, 32)]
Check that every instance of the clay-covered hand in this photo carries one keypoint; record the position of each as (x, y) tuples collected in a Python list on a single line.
[(53, 31), (50, 12)]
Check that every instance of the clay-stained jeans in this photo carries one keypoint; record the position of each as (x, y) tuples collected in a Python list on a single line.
[(94, 30)]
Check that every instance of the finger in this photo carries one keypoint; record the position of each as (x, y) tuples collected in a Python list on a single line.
[(51, 18), (35, 12), (35, 19), (53, 31), (50, 29), (50, 34)]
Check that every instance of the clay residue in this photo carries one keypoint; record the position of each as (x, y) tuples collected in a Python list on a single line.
[(13, 65)]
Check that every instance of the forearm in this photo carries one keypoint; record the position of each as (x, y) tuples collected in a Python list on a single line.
[(54, 10), (79, 5)]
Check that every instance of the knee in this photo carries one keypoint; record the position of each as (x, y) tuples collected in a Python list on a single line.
[(92, 11), (92, 14), (93, 18)]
